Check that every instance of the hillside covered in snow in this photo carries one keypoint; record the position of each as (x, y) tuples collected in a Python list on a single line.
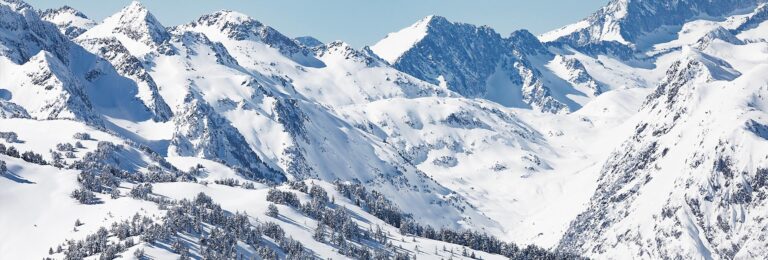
[(640, 132)]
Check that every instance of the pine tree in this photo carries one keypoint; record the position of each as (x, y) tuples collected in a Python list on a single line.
[(12, 152), (115, 193), (319, 233), (82, 136), (272, 210), (139, 253)]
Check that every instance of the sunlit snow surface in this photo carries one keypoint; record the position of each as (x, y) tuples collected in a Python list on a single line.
[(664, 160)]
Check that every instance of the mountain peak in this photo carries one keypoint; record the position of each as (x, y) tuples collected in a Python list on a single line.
[(136, 22), (228, 16), (235, 25), (228, 25), (631, 22), (308, 41), (65, 9), (431, 22), (433, 19), (16, 5), (70, 21), (526, 42), (716, 68), (692, 68), (397, 43), (136, 12), (135, 5)]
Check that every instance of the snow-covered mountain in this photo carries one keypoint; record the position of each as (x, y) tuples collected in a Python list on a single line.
[(70, 22), (476, 62), (643, 23), (224, 138), (688, 182), (308, 41)]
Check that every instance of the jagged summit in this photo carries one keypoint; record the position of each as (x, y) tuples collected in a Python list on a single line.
[(65, 9), (443, 39), (524, 41), (719, 33), (225, 19), (23, 34), (70, 21), (135, 22), (476, 61), (235, 25), (717, 68), (308, 41), (16, 5), (693, 66), (432, 21), (346, 51), (753, 20), (138, 23), (630, 22), (395, 44), (228, 25)]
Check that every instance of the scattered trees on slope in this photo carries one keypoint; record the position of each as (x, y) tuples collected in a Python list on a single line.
[(375, 203), (218, 234)]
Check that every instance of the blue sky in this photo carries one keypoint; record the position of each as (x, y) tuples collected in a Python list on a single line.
[(358, 22)]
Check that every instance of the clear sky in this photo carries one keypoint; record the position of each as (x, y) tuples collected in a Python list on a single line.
[(358, 22)]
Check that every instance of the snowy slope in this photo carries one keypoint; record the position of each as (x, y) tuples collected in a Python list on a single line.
[(247, 97), (688, 183), (39, 214), (607, 138), (124, 39), (134, 26), (280, 118), (392, 47)]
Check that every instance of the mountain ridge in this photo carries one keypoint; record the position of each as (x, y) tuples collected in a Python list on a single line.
[(225, 138)]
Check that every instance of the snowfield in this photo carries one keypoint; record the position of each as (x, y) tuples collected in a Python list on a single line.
[(639, 132)]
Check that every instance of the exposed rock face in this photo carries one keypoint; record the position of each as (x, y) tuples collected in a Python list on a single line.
[(11, 110), (240, 27), (629, 21), (131, 67), (308, 41), (683, 185), (25, 34), (465, 57), (52, 91), (71, 22), (201, 132)]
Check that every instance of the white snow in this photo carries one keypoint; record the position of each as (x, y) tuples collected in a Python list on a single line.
[(397, 43), (39, 214), (451, 161), (563, 31)]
